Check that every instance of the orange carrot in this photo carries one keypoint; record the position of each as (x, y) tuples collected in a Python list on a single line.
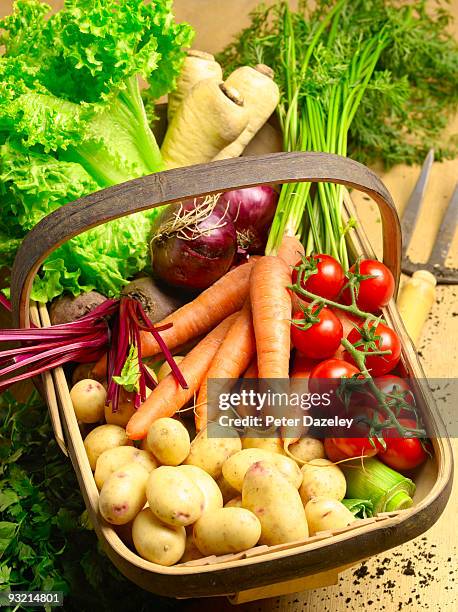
[(168, 397), (271, 305), (302, 366), (252, 370), (198, 317), (290, 250), (231, 359)]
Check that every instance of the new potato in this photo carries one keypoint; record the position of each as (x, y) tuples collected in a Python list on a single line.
[(101, 439), (123, 494), (126, 408), (114, 458), (235, 468), (157, 542), (226, 530), (210, 453), (88, 398), (168, 440), (274, 445), (321, 478), (307, 449), (226, 489), (235, 502), (213, 498), (191, 552), (323, 514), (174, 497), (276, 503)]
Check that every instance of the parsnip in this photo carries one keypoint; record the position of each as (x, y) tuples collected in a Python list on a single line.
[(415, 301), (211, 116), (197, 66), (261, 96)]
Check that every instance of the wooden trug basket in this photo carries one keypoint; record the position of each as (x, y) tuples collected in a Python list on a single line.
[(262, 571)]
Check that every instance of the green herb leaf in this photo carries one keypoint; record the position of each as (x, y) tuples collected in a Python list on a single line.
[(130, 373)]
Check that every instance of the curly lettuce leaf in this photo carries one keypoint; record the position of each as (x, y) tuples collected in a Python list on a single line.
[(35, 184), (72, 121), (104, 258)]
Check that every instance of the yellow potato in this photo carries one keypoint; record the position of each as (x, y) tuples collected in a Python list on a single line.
[(322, 479), (114, 458), (88, 398), (82, 371), (276, 503), (226, 530), (101, 439), (235, 468), (324, 514), (126, 408), (213, 498), (236, 502), (274, 445), (306, 449), (191, 552), (156, 542), (123, 494), (174, 497), (227, 491), (168, 440), (165, 369), (210, 453)]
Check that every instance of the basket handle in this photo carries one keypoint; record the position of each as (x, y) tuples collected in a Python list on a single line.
[(181, 183)]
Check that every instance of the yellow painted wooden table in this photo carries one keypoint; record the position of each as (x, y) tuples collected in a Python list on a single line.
[(423, 574)]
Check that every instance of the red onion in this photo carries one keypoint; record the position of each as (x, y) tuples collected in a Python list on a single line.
[(193, 243), (252, 210)]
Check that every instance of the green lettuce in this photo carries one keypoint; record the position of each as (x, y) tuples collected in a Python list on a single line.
[(72, 121)]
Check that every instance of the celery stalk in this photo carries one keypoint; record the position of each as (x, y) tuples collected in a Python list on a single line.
[(386, 489)]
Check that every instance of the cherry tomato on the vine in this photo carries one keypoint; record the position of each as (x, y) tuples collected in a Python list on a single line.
[(332, 452), (356, 447), (353, 441), (372, 293), (321, 338), (395, 385), (327, 278), (402, 453), (326, 376), (382, 338)]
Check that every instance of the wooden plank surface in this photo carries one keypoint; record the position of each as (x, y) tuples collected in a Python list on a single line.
[(421, 575)]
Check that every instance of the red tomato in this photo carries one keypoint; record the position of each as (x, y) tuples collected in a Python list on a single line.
[(355, 441), (385, 340), (402, 453), (332, 369), (332, 452), (356, 447), (373, 293), (400, 396), (321, 339), (328, 279), (394, 385)]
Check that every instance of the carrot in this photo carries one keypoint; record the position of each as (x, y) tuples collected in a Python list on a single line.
[(168, 397), (231, 359), (198, 317), (290, 250), (252, 370), (302, 366), (271, 305)]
